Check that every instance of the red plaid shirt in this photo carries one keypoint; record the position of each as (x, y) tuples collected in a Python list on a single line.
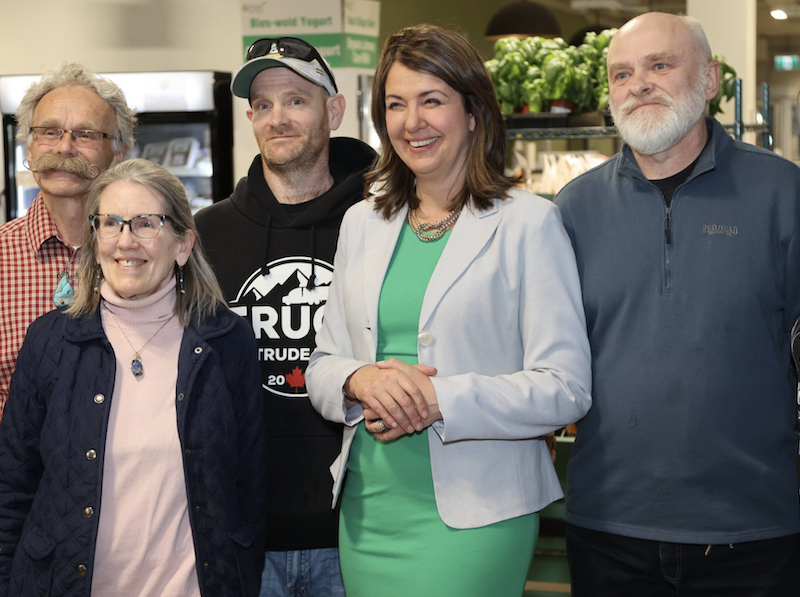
[(31, 259)]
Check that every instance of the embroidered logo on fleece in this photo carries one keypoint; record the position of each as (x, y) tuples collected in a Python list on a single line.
[(720, 229)]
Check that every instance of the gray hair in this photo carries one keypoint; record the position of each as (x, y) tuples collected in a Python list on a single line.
[(69, 74), (203, 295), (699, 36)]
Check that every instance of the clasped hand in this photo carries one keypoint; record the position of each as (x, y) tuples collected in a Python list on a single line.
[(399, 395)]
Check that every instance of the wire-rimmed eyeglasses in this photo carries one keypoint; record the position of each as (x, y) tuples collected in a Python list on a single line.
[(50, 135)]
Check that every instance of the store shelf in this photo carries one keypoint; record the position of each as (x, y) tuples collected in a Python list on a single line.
[(749, 128), (600, 132), (578, 132), (202, 172), (515, 133)]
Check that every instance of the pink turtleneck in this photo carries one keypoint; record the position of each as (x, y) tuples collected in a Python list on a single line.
[(144, 540)]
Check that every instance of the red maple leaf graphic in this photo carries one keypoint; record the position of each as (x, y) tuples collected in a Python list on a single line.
[(296, 379)]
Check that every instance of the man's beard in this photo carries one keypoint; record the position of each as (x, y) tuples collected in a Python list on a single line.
[(77, 165), (301, 158), (652, 130)]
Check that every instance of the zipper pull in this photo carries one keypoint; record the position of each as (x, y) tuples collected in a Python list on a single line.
[(667, 235)]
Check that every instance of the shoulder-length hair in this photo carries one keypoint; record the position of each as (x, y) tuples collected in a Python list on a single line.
[(69, 74), (203, 295), (448, 56)]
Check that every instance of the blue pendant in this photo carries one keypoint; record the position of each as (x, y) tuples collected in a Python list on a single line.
[(64, 292), (136, 367)]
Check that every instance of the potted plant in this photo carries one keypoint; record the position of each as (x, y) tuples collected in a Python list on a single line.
[(727, 86), (535, 74)]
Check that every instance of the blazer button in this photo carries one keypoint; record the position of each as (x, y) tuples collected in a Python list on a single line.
[(198, 349), (80, 569), (88, 511), (425, 337), (180, 396), (99, 399), (91, 455)]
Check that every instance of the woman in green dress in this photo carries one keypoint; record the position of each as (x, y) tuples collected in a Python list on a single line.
[(453, 341)]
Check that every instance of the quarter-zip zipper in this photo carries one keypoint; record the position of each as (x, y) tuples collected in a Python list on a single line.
[(668, 244), (668, 250)]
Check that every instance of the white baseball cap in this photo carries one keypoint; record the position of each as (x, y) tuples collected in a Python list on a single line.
[(289, 52)]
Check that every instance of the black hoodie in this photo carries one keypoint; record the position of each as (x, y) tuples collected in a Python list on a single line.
[(274, 263)]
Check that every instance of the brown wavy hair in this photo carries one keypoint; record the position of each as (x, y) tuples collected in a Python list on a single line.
[(447, 55)]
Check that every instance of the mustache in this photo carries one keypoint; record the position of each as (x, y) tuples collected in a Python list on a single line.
[(77, 165), (630, 105)]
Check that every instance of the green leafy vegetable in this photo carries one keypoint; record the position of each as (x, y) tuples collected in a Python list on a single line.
[(532, 73), (727, 85)]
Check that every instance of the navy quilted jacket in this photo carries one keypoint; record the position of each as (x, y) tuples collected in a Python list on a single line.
[(52, 441)]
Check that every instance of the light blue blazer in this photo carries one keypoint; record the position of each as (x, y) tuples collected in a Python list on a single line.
[(502, 321)]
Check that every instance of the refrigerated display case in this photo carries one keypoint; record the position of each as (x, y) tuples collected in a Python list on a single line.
[(185, 124)]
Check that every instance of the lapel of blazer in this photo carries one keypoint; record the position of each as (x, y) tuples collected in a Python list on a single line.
[(467, 239), (380, 238)]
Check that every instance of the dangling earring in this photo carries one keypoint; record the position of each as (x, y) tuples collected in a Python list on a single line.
[(97, 280), (180, 279)]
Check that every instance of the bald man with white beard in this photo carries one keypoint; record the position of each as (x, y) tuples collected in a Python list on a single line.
[(682, 480)]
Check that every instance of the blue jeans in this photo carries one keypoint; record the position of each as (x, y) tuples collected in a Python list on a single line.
[(306, 573), (607, 565)]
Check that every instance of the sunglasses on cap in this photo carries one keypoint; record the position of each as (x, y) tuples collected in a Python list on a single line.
[(288, 47)]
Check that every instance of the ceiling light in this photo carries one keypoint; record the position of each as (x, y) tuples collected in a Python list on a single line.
[(778, 14), (523, 19)]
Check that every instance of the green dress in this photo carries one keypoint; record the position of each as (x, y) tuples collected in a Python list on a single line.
[(392, 541)]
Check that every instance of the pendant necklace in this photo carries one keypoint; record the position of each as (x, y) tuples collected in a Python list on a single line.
[(64, 291), (137, 368), (423, 231)]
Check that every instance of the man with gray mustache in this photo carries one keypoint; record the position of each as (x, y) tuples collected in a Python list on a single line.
[(78, 165), (75, 125), (682, 480)]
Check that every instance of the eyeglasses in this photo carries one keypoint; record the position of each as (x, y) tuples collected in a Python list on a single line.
[(141, 226), (290, 47), (48, 135)]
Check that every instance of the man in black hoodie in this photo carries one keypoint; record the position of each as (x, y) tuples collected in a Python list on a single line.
[(271, 245)]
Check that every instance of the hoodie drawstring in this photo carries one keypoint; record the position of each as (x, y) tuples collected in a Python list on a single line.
[(312, 279), (265, 266)]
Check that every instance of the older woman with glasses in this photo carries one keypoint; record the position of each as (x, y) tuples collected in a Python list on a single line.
[(132, 447), (453, 341)]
